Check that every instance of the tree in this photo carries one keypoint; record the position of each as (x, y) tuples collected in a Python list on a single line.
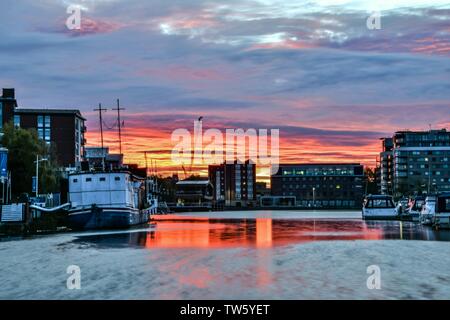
[(23, 145)]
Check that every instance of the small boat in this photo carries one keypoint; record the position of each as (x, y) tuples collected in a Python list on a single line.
[(415, 205), (428, 211), (105, 200), (379, 207), (442, 212)]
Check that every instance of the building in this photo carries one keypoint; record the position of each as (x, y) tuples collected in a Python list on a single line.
[(386, 166), (324, 185), (8, 104), (234, 183), (194, 194), (61, 128), (421, 161)]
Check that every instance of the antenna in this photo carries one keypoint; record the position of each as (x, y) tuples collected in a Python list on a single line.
[(118, 109)]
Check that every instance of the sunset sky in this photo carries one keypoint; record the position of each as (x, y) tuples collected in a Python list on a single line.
[(309, 68)]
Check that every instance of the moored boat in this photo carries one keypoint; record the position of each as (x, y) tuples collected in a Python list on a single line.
[(379, 207), (414, 208), (428, 211), (103, 200)]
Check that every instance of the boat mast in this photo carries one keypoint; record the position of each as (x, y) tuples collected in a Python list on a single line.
[(119, 124), (100, 112)]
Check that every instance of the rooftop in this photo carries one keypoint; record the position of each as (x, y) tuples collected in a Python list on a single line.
[(49, 111)]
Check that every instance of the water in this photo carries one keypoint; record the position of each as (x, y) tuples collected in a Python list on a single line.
[(234, 255)]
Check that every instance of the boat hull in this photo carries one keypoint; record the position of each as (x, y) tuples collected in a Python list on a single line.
[(106, 218), (383, 214)]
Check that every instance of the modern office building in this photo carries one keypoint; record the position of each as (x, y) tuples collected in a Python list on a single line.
[(421, 161), (234, 184), (63, 129), (386, 166), (324, 185)]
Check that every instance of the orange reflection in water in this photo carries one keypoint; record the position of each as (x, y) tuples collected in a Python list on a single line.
[(202, 232)]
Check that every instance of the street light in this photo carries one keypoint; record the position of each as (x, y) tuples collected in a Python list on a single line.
[(37, 172), (314, 197)]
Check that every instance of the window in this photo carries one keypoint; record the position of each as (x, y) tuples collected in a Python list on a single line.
[(102, 179), (47, 134), (44, 131), (1, 115), (40, 121), (75, 180), (88, 179), (116, 178), (16, 120)]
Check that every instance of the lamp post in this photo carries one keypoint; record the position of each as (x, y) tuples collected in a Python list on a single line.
[(37, 172), (314, 197)]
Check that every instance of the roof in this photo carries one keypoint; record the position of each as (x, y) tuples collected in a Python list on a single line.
[(49, 111)]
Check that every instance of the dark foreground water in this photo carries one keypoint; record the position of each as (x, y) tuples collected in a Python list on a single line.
[(234, 255)]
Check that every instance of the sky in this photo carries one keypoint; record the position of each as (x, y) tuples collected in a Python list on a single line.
[(311, 69)]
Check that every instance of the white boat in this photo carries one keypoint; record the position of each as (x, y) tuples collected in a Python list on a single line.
[(379, 207), (414, 208), (442, 211), (101, 200), (428, 211)]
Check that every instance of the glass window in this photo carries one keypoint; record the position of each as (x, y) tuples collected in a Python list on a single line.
[(47, 134), (41, 133), (40, 121), (47, 121), (88, 179), (16, 120)]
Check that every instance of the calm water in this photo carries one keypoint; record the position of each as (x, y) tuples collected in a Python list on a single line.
[(234, 255)]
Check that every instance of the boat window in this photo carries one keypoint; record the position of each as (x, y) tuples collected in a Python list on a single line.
[(88, 179), (379, 203), (75, 180), (117, 178), (102, 179)]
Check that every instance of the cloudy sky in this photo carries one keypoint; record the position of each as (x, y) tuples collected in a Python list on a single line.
[(310, 68)]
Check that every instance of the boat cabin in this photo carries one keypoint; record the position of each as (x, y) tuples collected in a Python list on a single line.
[(378, 202), (106, 189)]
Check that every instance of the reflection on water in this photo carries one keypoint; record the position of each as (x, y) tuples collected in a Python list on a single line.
[(203, 232)]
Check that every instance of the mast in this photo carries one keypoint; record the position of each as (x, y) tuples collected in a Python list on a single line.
[(119, 124), (100, 112)]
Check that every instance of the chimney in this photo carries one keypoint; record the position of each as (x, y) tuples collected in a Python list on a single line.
[(9, 93)]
